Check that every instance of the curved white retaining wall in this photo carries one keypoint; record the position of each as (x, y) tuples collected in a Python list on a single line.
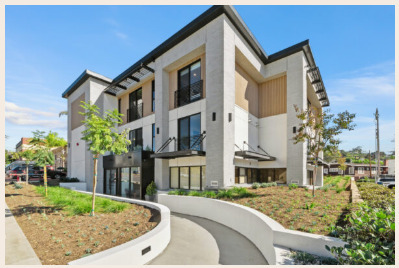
[(261, 230), (130, 253)]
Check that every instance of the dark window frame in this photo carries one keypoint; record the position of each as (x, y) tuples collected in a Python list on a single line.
[(153, 137), (189, 128), (131, 146), (189, 72), (153, 95), (189, 177)]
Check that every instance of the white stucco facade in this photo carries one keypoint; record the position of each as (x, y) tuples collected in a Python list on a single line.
[(229, 128)]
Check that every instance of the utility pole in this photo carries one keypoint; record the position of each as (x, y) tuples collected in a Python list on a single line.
[(370, 164), (377, 136)]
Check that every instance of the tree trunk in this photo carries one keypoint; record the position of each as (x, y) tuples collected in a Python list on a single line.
[(45, 178), (27, 174), (94, 185), (314, 175)]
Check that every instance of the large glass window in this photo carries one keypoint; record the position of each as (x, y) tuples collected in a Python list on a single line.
[(174, 177), (195, 178), (110, 181), (135, 190), (125, 182), (184, 178), (153, 137), (136, 139), (189, 84), (190, 74), (188, 177), (189, 132), (135, 105)]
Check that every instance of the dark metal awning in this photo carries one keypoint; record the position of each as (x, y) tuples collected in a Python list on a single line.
[(177, 154), (317, 82), (255, 155), (133, 76), (319, 161)]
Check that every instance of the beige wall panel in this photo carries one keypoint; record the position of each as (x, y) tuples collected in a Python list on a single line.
[(76, 118), (124, 107), (273, 97), (247, 91), (147, 98), (173, 80)]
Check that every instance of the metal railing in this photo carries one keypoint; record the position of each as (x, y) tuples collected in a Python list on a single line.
[(135, 112), (189, 94), (191, 143)]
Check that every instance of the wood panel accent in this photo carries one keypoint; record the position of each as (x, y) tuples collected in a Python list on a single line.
[(273, 97), (76, 117), (147, 98), (246, 91), (173, 79)]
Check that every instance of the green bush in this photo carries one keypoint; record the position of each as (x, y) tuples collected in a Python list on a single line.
[(209, 194), (268, 184), (377, 196), (75, 203), (304, 258), (370, 234), (151, 189), (255, 185), (67, 179), (194, 193), (18, 186), (224, 194), (339, 190), (292, 186), (326, 187)]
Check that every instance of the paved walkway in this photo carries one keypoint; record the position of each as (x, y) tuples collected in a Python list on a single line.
[(18, 249), (185, 247)]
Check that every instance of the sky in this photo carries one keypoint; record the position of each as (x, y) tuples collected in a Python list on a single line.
[(48, 47)]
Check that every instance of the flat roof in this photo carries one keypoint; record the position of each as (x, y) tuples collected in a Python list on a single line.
[(199, 22), (81, 79)]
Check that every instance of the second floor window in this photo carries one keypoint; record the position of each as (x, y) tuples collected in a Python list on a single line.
[(153, 95), (135, 110), (136, 139), (189, 84)]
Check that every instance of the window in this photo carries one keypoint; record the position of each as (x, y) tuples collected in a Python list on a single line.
[(153, 95), (351, 170), (373, 170), (189, 178), (136, 139), (119, 106), (135, 110), (189, 84), (333, 170), (153, 137), (360, 170), (189, 133)]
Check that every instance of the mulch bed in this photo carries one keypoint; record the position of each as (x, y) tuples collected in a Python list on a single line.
[(58, 239), (294, 210)]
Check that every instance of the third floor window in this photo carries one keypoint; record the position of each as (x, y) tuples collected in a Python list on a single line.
[(189, 84)]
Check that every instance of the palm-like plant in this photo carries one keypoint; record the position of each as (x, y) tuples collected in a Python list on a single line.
[(28, 155)]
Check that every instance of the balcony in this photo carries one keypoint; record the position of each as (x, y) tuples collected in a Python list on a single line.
[(189, 94), (134, 113)]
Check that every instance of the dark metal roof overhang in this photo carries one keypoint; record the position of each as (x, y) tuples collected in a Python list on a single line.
[(177, 154), (255, 156), (317, 82), (319, 161), (81, 79), (199, 22)]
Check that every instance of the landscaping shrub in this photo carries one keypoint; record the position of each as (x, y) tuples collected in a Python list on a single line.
[(304, 258), (370, 234), (376, 195), (67, 179), (75, 203), (268, 184), (326, 187), (194, 193), (18, 185), (255, 185), (224, 194), (338, 190), (292, 186), (209, 194), (151, 189)]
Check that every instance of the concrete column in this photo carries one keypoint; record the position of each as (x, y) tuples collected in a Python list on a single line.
[(220, 99), (296, 94), (161, 123)]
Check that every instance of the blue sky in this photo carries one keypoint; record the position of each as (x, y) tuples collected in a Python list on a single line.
[(48, 47)]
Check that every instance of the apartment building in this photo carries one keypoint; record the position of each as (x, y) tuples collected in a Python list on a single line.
[(23, 145), (206, 109)]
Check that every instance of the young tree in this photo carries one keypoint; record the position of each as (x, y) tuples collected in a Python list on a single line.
[(43, 155), (102, 136), (320, 130), (28, 155)]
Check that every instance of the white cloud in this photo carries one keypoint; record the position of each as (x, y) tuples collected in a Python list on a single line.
[(18, 115), (121, 35)]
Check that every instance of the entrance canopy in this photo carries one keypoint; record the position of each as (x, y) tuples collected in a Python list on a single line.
[(255, 156), (177, 154)]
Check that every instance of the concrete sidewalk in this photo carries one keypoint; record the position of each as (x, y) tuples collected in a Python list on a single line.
[(18, 249)]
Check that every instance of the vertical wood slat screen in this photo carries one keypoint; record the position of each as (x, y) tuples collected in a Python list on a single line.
[(273, 97)]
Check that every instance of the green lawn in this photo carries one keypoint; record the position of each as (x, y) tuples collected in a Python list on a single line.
[(75, 203)]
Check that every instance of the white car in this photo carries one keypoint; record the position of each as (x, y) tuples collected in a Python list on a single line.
[(387, 181)]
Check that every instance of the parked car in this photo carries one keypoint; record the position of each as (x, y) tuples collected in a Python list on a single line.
[(56, 174), (19, 171), (387, 181)]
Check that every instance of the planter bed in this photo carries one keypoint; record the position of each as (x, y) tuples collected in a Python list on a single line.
[(58, 238)]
